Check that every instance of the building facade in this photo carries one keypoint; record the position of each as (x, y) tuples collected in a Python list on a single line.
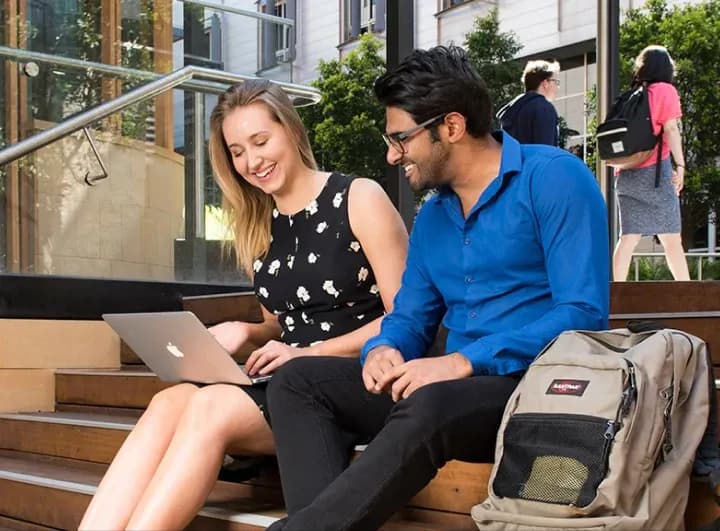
[(81, 53)]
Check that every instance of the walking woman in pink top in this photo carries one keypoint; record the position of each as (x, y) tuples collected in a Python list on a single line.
[(647, 209)]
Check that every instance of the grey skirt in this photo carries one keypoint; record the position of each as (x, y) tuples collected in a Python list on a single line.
[(645, 209)]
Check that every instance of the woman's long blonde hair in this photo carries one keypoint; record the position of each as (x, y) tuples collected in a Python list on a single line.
[(247, 209)]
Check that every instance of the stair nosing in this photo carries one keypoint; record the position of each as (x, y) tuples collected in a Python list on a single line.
[(123, 426), (83, 488), (32, 479), (105, 372)]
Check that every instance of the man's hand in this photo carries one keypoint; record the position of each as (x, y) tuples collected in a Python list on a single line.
[(411, 376), (379, 362), (269, 357)]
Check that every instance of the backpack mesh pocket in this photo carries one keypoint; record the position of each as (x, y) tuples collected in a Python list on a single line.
[(553, 458)]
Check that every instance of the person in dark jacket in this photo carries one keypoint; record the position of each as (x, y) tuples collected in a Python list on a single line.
[(531, 117)]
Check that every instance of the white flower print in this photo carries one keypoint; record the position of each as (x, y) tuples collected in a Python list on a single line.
[(290, 261), (350, 303), (294, 345), (297, 244), (276, 312), (290, 220), (315, 343), (321, 227), (355, 246), (325, 326), (274, 266), (305, 318), (290, 323), (263, 291), (337, 200), (275, 212), (290, 306), (362, 274), (257, 265), (312, 208), (360, 317), (312, 258), (374, 289), (303, 294), (329, 287)]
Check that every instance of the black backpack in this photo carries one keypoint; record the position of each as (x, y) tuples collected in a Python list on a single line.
[(625, 139)]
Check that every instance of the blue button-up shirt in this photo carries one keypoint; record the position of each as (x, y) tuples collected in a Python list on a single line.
[(529, 261)]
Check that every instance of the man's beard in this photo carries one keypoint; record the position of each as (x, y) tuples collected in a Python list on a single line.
[(431, 173)]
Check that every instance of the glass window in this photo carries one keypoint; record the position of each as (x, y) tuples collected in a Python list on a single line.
[(359, 17), (449, 3)]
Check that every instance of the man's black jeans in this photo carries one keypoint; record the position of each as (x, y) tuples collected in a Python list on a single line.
[(320, 409)]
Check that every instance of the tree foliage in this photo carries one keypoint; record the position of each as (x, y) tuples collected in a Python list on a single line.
[(345, 126), (491, 52), (692, 35)]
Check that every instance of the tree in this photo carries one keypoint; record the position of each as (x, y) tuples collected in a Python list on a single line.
[(345, 127), (692, 35), (492, 53)]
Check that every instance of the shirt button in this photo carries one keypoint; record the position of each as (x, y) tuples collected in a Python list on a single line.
[(468, 280), (467, 241), (473, 315)]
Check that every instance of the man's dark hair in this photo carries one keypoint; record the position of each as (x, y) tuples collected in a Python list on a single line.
[(436, 81), (654, 64), (537, 71)]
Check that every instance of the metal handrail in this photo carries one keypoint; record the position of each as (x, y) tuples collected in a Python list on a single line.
[(635, 263), (244, 12), (149, 90), (90, 181), (123, 72)]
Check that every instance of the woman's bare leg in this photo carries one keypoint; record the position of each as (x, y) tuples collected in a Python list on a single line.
[(623, 255), (675, 255), (135, 463), (219, 419)]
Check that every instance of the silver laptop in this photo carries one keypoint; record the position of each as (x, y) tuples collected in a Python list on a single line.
[(178, 348)]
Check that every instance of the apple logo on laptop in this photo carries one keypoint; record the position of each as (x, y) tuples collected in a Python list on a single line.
[(172, 349)]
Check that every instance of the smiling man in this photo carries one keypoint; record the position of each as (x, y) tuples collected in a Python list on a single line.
[(511, 251)]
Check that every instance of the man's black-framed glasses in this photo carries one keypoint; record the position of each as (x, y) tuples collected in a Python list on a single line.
[(395, 140)]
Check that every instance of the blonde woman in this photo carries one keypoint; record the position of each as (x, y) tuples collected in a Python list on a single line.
[(326, 253)]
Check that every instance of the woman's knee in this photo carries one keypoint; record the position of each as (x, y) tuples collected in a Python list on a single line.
[(217, 411), (171, 401)]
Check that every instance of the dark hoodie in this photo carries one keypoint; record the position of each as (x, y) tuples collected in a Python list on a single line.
[(531, 119)]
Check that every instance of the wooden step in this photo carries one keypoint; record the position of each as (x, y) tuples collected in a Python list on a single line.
[(10, 524), (96, 437), (65, 487), (85, 436), (128, 387), (704, 324)]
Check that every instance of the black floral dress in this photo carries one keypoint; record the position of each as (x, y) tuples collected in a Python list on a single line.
[(315, 276)]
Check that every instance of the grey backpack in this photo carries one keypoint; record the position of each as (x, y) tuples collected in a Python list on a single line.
[(601, 433)]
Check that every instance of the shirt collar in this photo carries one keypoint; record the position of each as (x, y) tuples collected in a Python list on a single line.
[(510, 164)]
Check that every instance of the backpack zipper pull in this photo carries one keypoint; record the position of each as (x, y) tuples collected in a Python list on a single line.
[(610, 430), (629, 395)]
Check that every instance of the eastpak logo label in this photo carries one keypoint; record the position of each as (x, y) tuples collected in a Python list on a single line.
[(567, 387)]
